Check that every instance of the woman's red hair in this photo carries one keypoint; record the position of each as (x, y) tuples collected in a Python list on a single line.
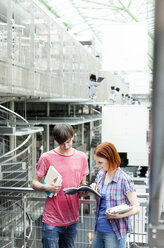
[(108, 151)]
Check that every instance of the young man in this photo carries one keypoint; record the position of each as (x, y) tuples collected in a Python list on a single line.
[(61, 212)]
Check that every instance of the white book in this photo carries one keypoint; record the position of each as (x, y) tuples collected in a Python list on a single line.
[(50, 176)]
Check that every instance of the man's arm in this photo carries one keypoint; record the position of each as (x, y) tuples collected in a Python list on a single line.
[(37, 185), (83, 180)]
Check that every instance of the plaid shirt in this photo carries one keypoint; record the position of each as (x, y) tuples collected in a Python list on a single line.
[(116, 191)]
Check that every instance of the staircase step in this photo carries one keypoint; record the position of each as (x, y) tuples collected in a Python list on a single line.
[(5, 244), (4, 158), (14, 183), (13, 166), (18, 174)]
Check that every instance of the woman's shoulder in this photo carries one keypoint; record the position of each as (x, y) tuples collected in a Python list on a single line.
[(125, 176)]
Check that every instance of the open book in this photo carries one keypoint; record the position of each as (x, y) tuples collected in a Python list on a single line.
[(50, 176), (82, 187)]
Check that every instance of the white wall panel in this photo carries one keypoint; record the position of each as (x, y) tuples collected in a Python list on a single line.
[(126, 127)]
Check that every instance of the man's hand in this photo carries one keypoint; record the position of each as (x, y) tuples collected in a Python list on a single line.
[(52, 187), (83, 193)]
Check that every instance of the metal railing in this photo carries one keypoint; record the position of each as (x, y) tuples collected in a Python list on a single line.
[(21, 220)]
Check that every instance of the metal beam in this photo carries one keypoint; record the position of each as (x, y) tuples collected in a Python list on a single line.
[(157, 145)]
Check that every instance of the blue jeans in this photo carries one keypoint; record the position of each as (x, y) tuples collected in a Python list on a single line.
[(108, 240), (64, 236)]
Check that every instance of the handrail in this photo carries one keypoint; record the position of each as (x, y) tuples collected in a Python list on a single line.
[(12, 112), (8, 153), (29, 189), (17, 189), (24, 142)]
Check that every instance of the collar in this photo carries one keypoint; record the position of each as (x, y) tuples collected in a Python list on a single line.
[(116, 176)]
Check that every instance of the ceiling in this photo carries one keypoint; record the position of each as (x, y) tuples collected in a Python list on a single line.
[(86, 18)]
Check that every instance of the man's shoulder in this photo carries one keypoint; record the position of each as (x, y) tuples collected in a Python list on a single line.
[(48, 153), (80, 153)]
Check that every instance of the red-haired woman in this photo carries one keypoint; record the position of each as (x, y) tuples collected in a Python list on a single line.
[(116, 188)]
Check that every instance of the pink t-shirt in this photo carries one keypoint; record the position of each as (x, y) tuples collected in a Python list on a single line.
[(62, 210)]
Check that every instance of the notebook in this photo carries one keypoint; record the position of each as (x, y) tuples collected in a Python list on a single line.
[(100, 79)]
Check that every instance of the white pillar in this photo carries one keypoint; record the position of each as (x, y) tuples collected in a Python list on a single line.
[(48, 129)]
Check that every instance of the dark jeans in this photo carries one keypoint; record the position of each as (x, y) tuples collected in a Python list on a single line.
[(62, 235)]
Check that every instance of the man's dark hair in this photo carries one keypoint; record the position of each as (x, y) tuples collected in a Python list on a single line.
[(62, 132), (93, 77)]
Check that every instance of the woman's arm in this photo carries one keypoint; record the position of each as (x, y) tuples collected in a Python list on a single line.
[(133, 199)]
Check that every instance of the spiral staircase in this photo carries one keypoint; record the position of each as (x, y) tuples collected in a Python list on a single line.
[(17, 149), (17, 159)]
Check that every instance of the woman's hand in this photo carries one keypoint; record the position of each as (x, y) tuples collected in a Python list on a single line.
[(93, 186), (112, 216)]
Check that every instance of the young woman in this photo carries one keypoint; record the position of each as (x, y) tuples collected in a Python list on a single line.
[(116, 188)]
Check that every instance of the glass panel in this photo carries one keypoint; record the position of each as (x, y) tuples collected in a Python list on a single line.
[(21, 36), (41, 40), (3, 30)]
